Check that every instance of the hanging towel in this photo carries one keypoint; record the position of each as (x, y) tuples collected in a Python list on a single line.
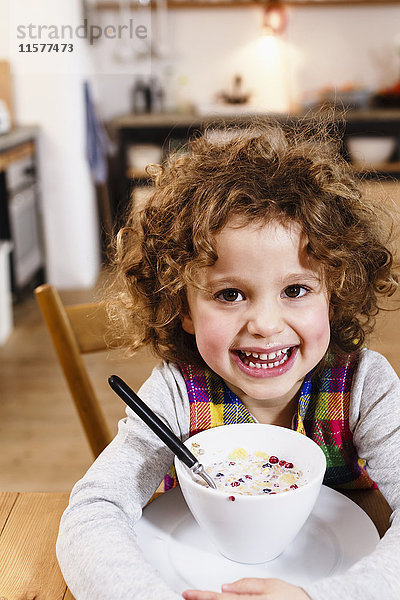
[(98, 143)]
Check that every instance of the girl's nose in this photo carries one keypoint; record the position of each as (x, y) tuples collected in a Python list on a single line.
[(265, 321)]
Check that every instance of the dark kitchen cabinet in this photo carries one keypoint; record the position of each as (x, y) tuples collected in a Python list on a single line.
[(20, 214), (170, 132)]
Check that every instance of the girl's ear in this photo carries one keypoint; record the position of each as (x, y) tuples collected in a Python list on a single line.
[(187, 323)]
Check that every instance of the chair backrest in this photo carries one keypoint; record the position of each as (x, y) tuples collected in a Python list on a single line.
[(76, 330)]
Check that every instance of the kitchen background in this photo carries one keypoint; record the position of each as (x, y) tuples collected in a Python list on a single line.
[(322, 47), (341, 52)]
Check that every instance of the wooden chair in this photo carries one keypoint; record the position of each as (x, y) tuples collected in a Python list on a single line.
[(76, 330)]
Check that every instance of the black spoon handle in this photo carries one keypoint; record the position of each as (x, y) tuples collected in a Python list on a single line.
[(146, 414)]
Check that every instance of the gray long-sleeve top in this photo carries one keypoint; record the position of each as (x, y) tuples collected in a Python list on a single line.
[(96, 547)]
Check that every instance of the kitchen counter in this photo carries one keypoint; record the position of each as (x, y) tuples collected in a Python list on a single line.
[(18, 136), (191, 119), (156, 128), (184, 119)]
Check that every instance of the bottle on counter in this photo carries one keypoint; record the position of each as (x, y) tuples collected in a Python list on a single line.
[(148, 96), (141, 96)]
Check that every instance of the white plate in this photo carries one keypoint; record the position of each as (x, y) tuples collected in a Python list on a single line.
[(336, 535)]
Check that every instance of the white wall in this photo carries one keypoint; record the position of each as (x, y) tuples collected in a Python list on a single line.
[(48, 92), (322, 46), (206, 48), (335, 45)]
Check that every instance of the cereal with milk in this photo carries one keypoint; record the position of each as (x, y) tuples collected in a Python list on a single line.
[(253, 473)]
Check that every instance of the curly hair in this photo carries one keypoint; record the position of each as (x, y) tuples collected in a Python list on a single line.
[(291, 173)]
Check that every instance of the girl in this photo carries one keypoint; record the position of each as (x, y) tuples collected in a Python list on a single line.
[(254, 272)]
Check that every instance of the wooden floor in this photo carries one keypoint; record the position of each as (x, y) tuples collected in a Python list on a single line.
[(42, 445)]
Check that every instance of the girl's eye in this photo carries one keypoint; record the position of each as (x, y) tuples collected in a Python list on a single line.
[(230, 295), (295, 291)]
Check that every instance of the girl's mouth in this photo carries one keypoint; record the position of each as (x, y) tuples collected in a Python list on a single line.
[(265, 364), (265, 361)]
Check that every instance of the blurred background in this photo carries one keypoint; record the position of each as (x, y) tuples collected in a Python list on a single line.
[(91, 92)]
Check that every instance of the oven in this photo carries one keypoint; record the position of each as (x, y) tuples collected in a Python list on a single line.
[(20, 222)]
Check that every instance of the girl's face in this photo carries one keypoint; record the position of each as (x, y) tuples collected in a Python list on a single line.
[(265, 322)]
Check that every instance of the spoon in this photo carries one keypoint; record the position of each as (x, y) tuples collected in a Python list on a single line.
[(159, 428)]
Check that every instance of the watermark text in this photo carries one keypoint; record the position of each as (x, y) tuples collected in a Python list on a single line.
[(90, 32)]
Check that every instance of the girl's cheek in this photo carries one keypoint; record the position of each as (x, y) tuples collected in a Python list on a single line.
[(313, 317), (211, 336), (319, 326)]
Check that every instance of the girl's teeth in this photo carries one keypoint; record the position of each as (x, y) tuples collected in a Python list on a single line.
[(280, 353), (270, 356)]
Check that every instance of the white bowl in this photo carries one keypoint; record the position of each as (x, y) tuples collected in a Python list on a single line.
[(253, 529), (370, 150)]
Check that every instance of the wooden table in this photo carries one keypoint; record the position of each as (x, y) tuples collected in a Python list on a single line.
[(28, 531)]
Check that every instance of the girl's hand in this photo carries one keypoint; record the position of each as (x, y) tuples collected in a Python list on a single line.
[(251, 589)]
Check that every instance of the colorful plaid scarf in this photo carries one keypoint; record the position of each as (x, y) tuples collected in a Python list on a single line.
[(322, 415)]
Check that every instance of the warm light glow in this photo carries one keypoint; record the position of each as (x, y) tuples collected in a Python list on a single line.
[(274, 21), (267, 46), (263, 60)]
